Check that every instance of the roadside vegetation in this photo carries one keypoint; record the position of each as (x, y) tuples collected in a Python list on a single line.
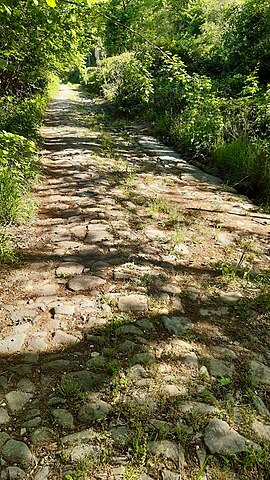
[(203, 86)]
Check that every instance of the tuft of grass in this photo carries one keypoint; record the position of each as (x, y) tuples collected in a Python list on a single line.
[(247, 164)]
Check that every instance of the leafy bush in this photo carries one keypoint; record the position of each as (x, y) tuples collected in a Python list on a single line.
[(17, 155), (123, 79)]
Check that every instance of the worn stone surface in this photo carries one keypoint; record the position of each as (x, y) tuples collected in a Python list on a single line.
[(17, 452), (4, 416), (63, 418), (262, 430), (219, 437), (85, 282), (90, 412), (218, 368), (12, 343), (17, 399), (12, 473), (133, 303), (69, 269), (260, 372), (170, 450), (43, 436), (177, 325)]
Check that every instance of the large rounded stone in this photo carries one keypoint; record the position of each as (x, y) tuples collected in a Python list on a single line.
[(221, 438), (91, 412), (17, 452)]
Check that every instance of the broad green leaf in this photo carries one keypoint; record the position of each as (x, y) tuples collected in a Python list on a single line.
[(51, 3)]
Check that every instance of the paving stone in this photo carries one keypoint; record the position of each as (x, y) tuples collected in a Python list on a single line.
[(128, 330), (120, 433), (181, 249), (164, 428), (22, 370), (69, 269), (93, 411), (177, 325), (146, 358), (127, 346), (192, 359), (83, 436), (97, 233), (145, 325), (43, 436), (169, 450), (46, 290), (42, 473), (137, 372), (4, 416), (198, 408), (12, 473), (26, 385), (154, 234), (226, 353), (170, 288), (17, 452), (260, 372), (57, 365), (173, 390), (145, 477), (56, 401), (262, 430), (4, 437), (99, 362), (220, 438), (3, 383), (82, 380), (63, 418), (33, 423), (12, 343), (67, 310), (63, 338), (85, 282), (80, 452), (16, 400), (260, 406), (218, 368), (168, 475), (133, 303)]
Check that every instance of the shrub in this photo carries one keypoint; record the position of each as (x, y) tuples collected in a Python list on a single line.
[(123, 79)]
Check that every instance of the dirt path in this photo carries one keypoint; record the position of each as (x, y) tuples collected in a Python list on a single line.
[(132, 347)]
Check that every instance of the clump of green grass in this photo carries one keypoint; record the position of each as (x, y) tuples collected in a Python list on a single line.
[(247, 164)]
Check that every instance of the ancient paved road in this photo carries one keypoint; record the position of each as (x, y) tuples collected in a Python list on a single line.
[(120, 292)]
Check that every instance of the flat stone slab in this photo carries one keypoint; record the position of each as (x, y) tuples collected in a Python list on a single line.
[(260, 372), (12, 343), (63, 338), (4, 416), (79, 437), (177, 325), (169, 450), (133, 303), (262, 430), (220, 438), (97, 233), (17, 399), (85, 282), (69, 269), (43, 436)]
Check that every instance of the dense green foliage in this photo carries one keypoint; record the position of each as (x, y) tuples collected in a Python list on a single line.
[(207, 93)]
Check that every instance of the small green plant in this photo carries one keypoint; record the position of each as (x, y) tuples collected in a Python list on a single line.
[(224, 381), (70, 389)]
